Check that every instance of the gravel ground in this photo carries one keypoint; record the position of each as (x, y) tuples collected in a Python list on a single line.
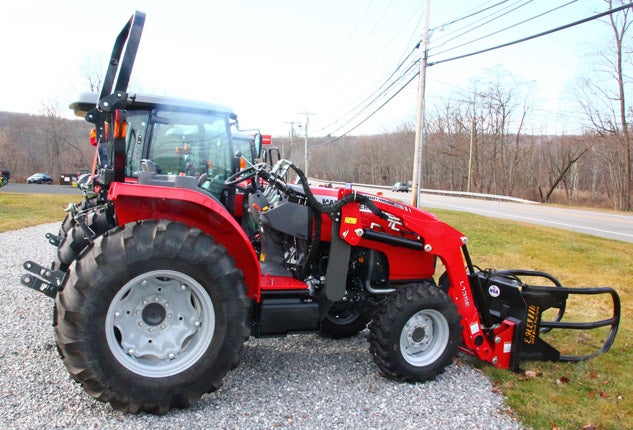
[(301, 381)]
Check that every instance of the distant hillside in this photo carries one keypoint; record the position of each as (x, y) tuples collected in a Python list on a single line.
[(43, 143)]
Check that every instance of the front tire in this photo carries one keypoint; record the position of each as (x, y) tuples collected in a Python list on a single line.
[(415, 333), (152, 316)]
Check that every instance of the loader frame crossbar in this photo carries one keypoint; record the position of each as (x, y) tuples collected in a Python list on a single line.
[(613, 322)]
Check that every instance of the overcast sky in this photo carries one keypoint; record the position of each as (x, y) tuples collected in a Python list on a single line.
[(272, 59)]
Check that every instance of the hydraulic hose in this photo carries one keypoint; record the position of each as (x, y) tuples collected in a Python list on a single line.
[(337, 206)]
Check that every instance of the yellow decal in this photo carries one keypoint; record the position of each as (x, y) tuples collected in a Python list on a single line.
[(350, 220), (530, 324), (262, 257)]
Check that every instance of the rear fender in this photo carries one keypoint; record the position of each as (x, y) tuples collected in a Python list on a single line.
[(134, 202)]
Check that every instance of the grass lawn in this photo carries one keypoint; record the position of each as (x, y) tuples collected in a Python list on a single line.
[(595, 394), (26, 210)]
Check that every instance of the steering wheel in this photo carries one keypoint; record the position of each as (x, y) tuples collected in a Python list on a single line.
[(244, 175)]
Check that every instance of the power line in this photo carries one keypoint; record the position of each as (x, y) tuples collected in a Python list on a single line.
[(381, 88), (374, 98), (387, 84), (482, 21), (525, 39), (506, 28), (416, 74), (351, 57), (349, 39), (470, 15)]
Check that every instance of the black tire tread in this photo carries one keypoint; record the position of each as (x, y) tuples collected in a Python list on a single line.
[(74, 239)]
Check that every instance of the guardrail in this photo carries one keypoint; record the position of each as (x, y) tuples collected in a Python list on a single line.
[(463, 194)]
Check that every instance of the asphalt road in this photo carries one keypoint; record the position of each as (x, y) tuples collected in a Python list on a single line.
[(13, 187)]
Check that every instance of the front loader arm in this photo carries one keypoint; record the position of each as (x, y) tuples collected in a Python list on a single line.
[(449, 245)]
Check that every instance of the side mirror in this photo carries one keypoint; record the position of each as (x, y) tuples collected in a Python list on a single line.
[(257, 145)]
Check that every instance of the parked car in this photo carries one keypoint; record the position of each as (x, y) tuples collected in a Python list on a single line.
[(4, 177), (40, 178), (400, 186)]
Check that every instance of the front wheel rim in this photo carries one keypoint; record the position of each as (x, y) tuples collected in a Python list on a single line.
[(424, 337), (160, 323)]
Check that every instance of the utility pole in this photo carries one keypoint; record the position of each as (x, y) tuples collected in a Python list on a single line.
[(470, 152), (292, 137), (419, 130), (305, 156)]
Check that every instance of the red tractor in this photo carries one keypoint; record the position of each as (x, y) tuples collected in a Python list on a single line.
[(186, 245)]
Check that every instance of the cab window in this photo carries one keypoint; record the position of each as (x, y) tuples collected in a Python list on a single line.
[(137, 124), (190, 143)]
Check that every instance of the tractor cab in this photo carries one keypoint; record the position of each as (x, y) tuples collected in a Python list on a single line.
[(177, 137)]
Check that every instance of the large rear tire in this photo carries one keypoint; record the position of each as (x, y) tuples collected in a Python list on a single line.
[(415, 333), (152, 316)]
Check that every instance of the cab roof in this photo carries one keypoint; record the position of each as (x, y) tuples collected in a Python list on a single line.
[(88, 101)]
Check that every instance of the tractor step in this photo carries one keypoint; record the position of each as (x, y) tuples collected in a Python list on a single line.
[(39, 278), (507, 298)]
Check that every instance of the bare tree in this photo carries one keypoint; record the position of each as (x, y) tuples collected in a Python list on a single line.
[(559, 160), (480, 136), (604, 101)]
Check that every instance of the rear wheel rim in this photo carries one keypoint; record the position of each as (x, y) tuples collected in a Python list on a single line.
[(160, 323), (424, 337)]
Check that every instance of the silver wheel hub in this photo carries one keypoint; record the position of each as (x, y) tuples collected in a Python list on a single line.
[(160, 323), (424, 337)]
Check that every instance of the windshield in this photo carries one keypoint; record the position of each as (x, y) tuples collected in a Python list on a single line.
[(190, 143)]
